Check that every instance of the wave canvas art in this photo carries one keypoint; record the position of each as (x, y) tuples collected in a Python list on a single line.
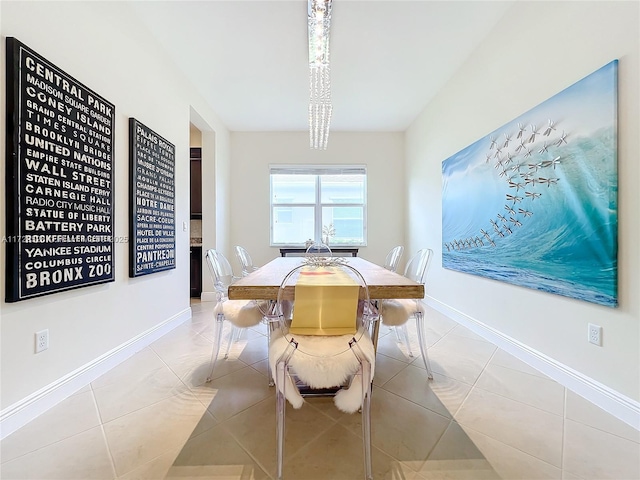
[(534, 203)]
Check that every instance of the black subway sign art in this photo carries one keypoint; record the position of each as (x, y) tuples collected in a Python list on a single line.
[(151, 198), (59, 162)]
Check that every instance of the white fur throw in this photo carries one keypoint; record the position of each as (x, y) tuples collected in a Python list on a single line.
[(315, 365), (241, 313), (397, 312)]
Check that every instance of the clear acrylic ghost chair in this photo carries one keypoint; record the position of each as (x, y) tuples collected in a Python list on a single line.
[(239, 313), (393, 258), (245, 261), (391, 264), (309, 363), (318, 250), (396, 313)]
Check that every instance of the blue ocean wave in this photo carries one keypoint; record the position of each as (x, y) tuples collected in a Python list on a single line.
[(467, 263), (559, 238)]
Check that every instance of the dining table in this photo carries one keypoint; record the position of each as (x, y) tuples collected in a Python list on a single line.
[(264, 283), (383, 284)]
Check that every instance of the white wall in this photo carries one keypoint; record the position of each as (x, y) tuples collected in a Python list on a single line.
[(252, 153), (537, 50), (102, 45)]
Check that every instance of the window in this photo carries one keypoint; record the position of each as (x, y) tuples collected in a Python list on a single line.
[(306, 199)]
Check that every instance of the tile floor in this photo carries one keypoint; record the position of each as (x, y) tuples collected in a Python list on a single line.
[(485, 415)]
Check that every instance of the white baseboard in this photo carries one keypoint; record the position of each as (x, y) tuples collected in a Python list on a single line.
[(20, 413), (209, 297), (613, 402)]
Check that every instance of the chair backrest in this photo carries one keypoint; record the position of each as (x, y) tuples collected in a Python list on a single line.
[(286, 302), (393, 258), (418, 265), (245, 260), (318, 250), (221, 271)]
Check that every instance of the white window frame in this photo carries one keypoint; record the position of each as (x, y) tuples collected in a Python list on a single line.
[(318, 170)]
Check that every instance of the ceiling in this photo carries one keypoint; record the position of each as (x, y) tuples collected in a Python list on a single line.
[(249, 59)]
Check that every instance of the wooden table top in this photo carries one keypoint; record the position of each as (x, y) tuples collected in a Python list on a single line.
[(264, 283)]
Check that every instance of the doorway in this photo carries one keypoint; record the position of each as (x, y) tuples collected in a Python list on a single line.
[(195, 210)]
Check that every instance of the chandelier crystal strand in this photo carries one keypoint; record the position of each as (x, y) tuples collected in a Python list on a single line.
[(320, 108), (320, 117), (323, 107), (326, 107)]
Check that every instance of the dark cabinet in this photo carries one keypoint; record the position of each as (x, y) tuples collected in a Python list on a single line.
[(196, 182), (196, 271)]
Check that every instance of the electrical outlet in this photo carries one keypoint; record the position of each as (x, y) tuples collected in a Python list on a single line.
[(595, 334), (42, 340)]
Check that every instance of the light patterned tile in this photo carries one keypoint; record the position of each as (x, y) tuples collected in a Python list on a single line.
[(337, 454), (384, 330), (132, 369), (592, 453), (155, 469), (391, 347), (400, 428), (204, 393), (261, 328), (463, 331), (414, 347), (533, 390), (189, 356), (83, 456), (214, 472), (179, 333), (457, 457), (176, 343), (437, 323), (504, 359), (138, 382), (443, 395), (570, 476), (214, 454), (145, 434), (328, 407), (206, 422), (583, 411), (207, 391), (394, 345), (84, 389), (460, 358), (449, 391), (73, 415), (512, 463), (242, 334), (460, 470), (404, 472), (255, 430), (505, 408), (202, 318), (236, 392), (253, 350), (262, 367), (521, 426), (386, 369)]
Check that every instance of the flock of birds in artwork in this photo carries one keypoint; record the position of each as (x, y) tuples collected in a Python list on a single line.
[(521, 172)]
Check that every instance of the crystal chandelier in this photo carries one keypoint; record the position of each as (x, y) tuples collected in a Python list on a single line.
[(319, 23)]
